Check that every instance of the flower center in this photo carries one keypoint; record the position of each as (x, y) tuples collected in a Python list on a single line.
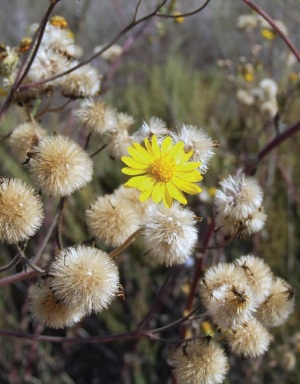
[(163, 168)]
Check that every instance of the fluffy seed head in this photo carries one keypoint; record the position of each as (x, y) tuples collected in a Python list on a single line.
[(238, 197), (21, 211), (249, 340), (247, 22), (83, 82), (170, 233), (279, 304), (118, 142), (196, 140), (200, 361), (154, 126), (96, 116), (230, 226), (131, 197), (84, 276), (60, 166), (24, 138), (258, 274), (222, 274), (111, 219), (49, 311), (232, 304)]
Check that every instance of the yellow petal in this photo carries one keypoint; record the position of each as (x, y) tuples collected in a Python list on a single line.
[(186, 186), (187, 156), (155, 146), (143, 151), (133, 163), (158, 192), (132, 171), (168, 199), (135, 181), (177, 149), (149, 148), (138, 155), (192, 177), (176, 193), (145, 195), (166, 145), (191, 165)]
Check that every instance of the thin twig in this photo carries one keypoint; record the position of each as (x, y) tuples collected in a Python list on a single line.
[(28, 261), (156, 301), (15, 261), (99, 150), (136, 10), (113, 254), (50, 231), (52, 110), (59, 224), (8, 280), (197, 10)]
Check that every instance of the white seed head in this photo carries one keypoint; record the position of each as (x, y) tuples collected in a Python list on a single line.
[(24, 137), (278, 305), (46, 309), (249, 340), (96, 116), (154, 126), (230, 226), (170, 233), (21, 211), (118, 142), (84, 276), (59, 166), (247, 22), (232, 304), (83, 82), (111, 219), (239, 197), (258, 274), (219, 275), (200, 361)]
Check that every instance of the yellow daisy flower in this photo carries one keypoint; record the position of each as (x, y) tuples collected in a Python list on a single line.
[(162, 172)]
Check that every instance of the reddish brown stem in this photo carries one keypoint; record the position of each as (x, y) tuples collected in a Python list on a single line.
[(199, 269)]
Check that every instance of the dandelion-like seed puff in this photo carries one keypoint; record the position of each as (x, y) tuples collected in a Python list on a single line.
[(162, 172)]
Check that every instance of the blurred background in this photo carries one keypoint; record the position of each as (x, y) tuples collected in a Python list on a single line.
[(188, 71)]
